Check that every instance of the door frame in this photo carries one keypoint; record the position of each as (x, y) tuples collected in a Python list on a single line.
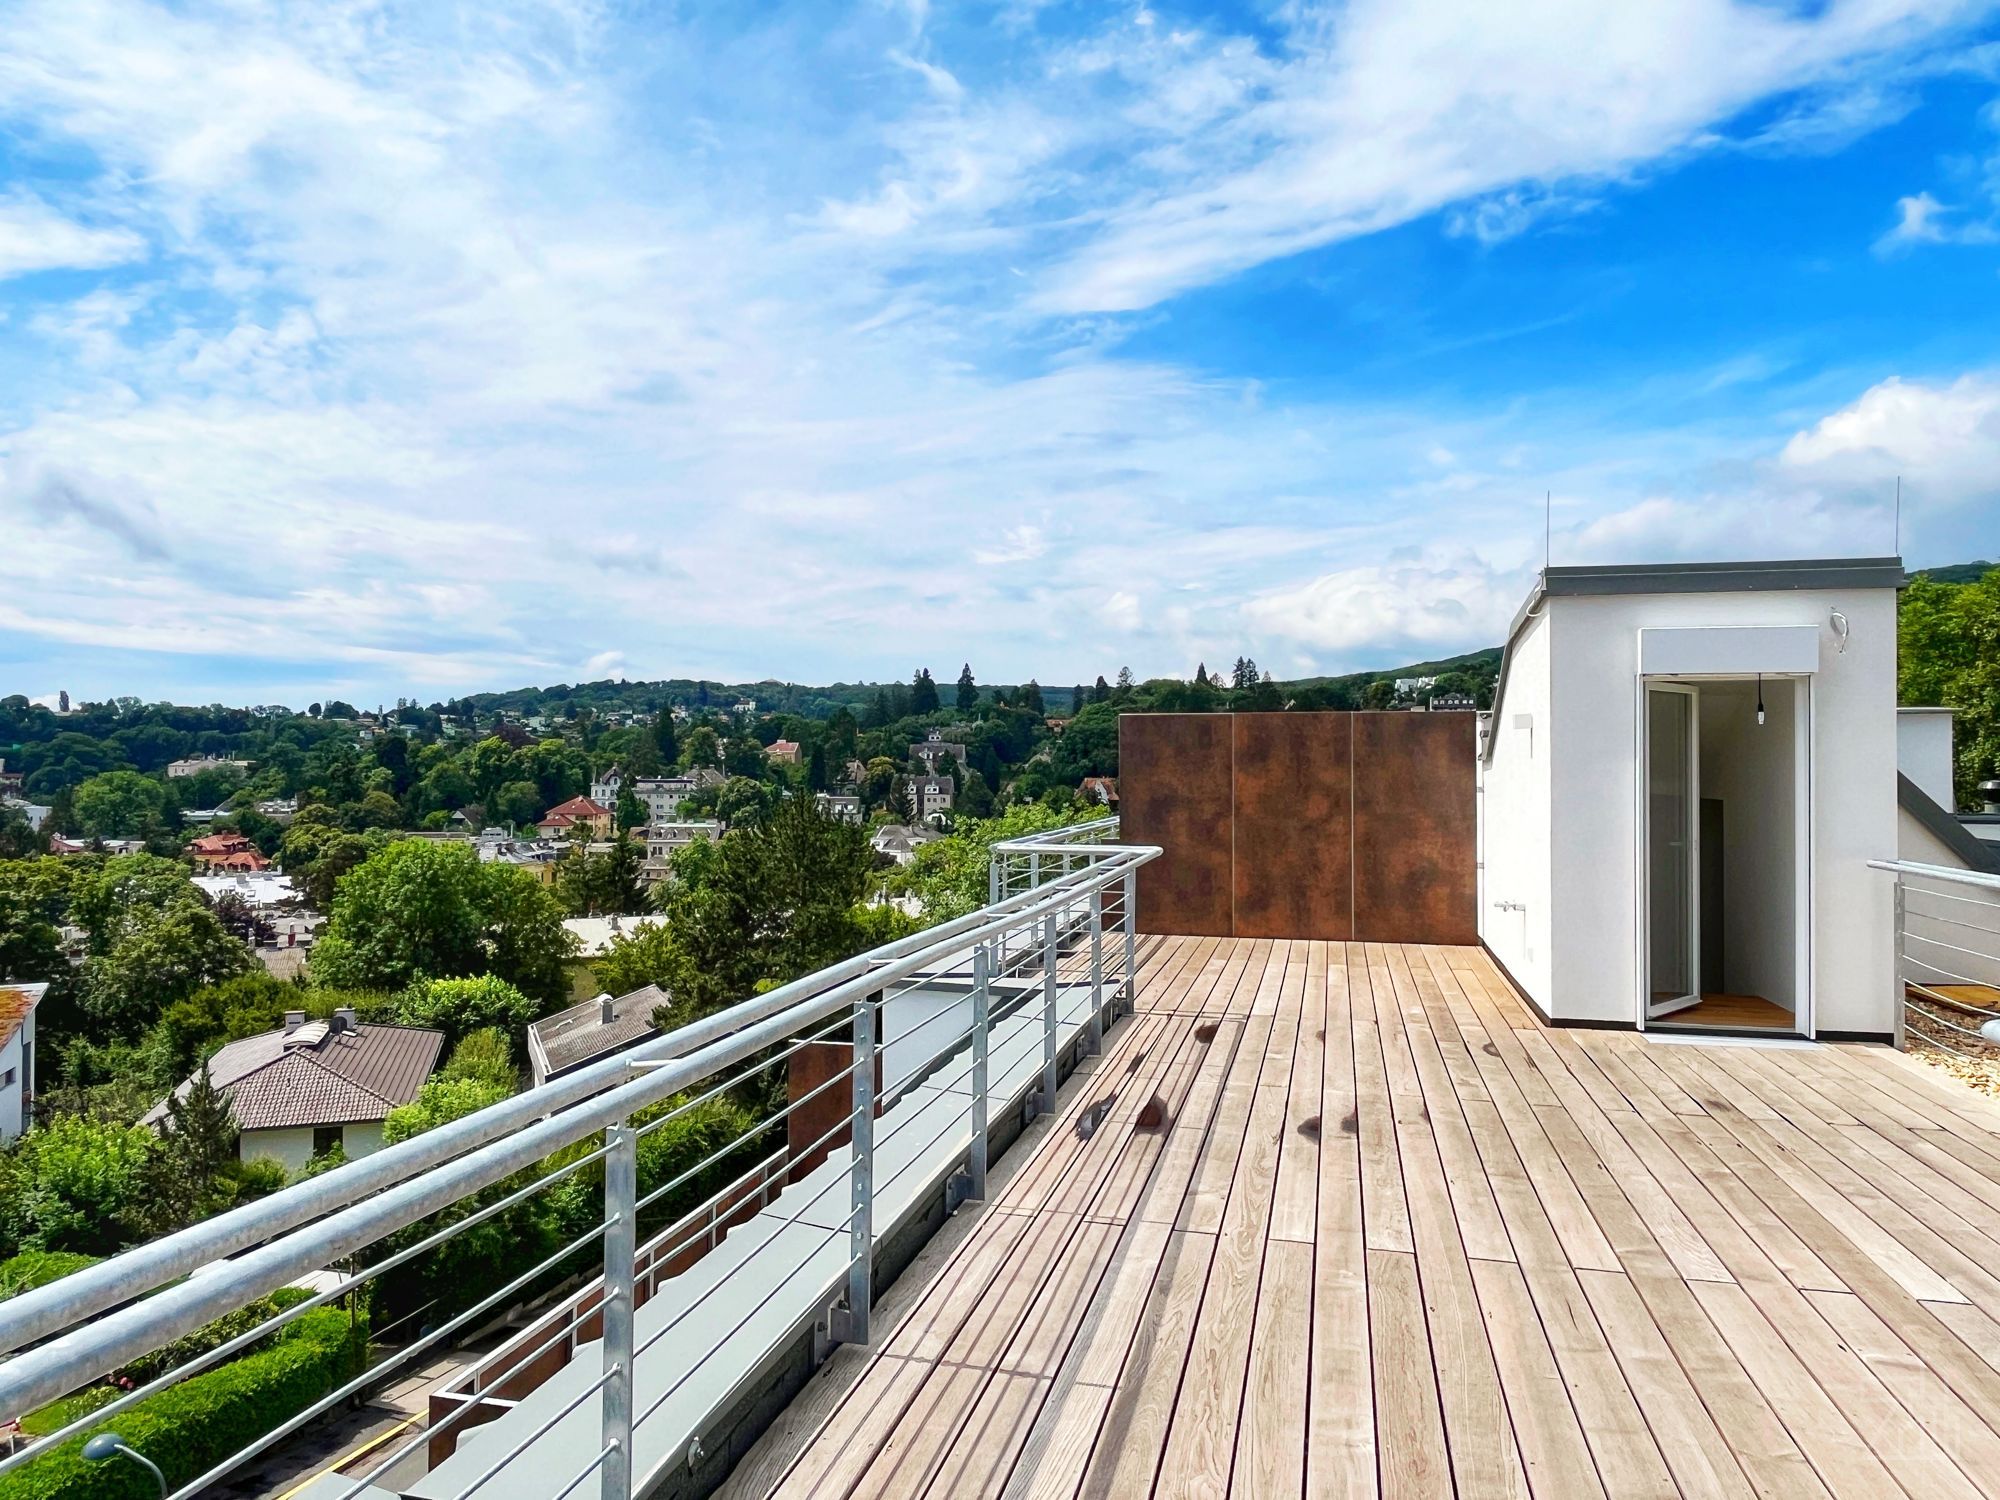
[(1647, 687)]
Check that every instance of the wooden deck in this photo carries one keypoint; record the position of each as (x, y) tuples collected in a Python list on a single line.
[(1344, 1220)]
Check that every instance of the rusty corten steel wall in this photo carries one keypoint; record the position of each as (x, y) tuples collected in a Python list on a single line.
[(1415, 862), (1294, 825), (1182, 799), (1303, 825)]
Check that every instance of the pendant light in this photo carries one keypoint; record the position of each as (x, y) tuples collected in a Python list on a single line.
[(1760, 700)]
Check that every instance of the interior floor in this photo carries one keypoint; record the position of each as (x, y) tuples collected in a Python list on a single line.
[(1748, 1012)]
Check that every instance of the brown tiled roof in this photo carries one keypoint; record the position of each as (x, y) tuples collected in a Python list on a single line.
[(16, 1002), (578, 807), (572, 1037), (218, 843), (318, 1076)]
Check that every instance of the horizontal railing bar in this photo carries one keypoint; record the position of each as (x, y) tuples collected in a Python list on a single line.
[(84, 1352), (36, 1314), (1945, 873)]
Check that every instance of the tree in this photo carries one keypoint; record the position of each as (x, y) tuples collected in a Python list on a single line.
[(1100, 690), (949, 876), (1031, 698), (643, 954), (968, 690), (486, 1055), (459, 1007), (316, 856), (591, 884), (1124, 682), (153, 939), (768, 904), (664, 738), (631, 812), (1201, 674), (1076, 699), (816, 769), (923, 692), (75, 1184), (1948, 653), (703, 747), (439, 1102), (121, 804), (744, 756), (190, 1173), (418, 909), (1378, 695)]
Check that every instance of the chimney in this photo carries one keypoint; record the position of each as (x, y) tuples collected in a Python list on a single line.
[(607, 1010), (343, 1018), (294, 1019)]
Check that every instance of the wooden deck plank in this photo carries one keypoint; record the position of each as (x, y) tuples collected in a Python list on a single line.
[(1347, 1219)]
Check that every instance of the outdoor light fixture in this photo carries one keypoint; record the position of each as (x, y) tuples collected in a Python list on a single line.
[(104, 1445), (1760, 700)]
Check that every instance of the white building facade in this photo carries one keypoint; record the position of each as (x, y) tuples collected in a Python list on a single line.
[(1684, 775)]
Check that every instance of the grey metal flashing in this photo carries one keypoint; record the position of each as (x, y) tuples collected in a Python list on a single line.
[(1972, 851), (1733, 577), (1601, 579)]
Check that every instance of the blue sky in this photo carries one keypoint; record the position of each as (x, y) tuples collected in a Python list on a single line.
[(371, 350)]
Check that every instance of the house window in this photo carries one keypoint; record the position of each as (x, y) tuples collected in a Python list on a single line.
[(7, 1079), (325, 1138)]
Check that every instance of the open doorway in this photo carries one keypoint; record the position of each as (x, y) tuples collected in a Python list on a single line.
[(1724, 843)]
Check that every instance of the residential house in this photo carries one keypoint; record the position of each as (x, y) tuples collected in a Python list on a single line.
[(662, 796), (299, 1091), (60, 845), (11, 782), (227, 853), (17, 1055), (931, 751), (35, 813), (279, 809), (575, 1038), (194, 765), (578, 812), (1102, 790), (665, 840), (930, 797), (1929, 833), (1686, 771), (782, 752), (1452, 703), (604, 788), (845, 806), (500, 846), (900, 841)]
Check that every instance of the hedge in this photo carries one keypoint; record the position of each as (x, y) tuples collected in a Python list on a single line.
[(189, 1428), (37, 1268)]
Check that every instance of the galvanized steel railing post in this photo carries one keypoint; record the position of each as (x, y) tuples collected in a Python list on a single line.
[(1096, 1029), (1902, 985), (621, 1250), (1131, 939), (861, 1265), (1049, 1014), (993, 881), (982, 969), (1034, 869)]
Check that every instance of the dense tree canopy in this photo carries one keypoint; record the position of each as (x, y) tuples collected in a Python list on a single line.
[(1949, 656), (425, 910)]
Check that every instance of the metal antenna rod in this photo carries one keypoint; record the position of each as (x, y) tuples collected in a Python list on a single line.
[(1899, 516), (1548, 526)]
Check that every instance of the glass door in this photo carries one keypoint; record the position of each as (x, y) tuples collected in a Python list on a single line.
[(1673, 796)]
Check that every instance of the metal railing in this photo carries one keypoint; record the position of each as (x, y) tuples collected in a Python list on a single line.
[(1947, 958), (882, 1074)]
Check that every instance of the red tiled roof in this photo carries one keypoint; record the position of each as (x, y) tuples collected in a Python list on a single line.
[(16, 1003), (577, 808), (219, 843)]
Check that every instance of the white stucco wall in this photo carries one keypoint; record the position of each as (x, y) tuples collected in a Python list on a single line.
[(1593, 803), (1923, 752), (13, 1095), (294, 1147), (1514, 814)]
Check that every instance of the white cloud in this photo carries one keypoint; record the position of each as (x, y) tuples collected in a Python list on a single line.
[(34, 237), (1382, 112), (1017, 544), (1433, 604), (1944, 436), (1922, 220)]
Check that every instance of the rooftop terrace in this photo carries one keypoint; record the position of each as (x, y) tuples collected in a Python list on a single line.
[(1347, 1219)]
